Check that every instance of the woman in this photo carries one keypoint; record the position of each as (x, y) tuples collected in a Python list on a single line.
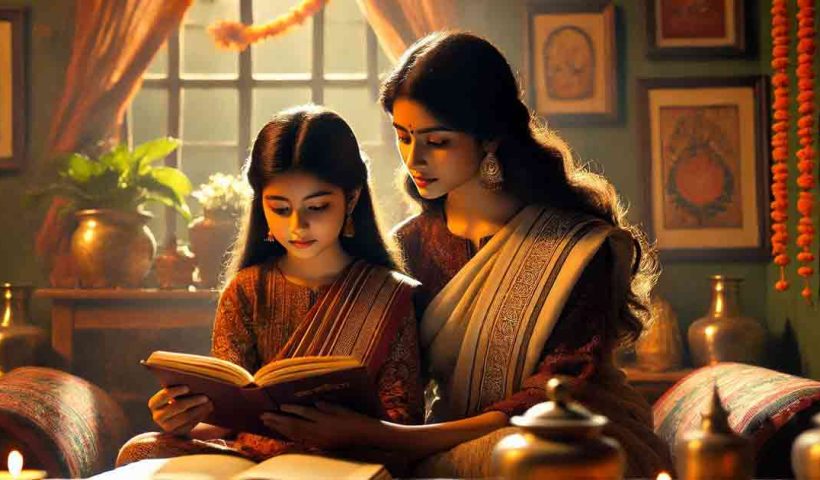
[(310, 275), (528, 266)]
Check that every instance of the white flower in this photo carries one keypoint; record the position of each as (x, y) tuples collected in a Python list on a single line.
[(229, 193)]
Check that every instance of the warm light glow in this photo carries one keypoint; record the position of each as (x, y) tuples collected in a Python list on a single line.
[(710, 332), (664, 476), (15, 463)]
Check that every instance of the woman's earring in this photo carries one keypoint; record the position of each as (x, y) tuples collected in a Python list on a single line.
[(269, 238), (348, 230), (490, 172)]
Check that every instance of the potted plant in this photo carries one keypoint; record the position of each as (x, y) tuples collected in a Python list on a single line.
[(112, 245), (223, 199)]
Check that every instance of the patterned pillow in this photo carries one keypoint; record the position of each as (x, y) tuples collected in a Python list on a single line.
[(760, 401)]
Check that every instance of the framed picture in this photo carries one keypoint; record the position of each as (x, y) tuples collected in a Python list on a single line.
[(705, 151), (571, 60), (12, 88), (701, 28)]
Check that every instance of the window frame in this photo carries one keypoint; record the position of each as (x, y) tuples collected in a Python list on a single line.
[(174, 82)]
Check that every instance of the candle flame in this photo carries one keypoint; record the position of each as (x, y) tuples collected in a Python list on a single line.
[(664, 476), (15, 463)]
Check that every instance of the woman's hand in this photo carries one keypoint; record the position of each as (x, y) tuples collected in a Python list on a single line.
[(176, 412), (327, 426)]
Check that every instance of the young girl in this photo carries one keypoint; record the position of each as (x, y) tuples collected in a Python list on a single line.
[(528, 267), (310, 275)]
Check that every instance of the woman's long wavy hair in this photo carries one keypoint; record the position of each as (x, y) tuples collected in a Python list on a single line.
[(317, 141), (467, 84)]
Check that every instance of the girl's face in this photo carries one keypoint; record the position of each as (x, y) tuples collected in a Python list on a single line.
[(438, 158), (304, 214)]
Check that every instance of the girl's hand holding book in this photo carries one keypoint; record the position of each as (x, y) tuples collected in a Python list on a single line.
[(176, 412)]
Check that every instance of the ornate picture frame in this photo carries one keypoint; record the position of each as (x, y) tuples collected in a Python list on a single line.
[(12, 88), (685, 29), (705, 166), (571, 59)]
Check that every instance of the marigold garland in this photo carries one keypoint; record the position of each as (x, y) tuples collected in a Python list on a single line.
[(780, 139), (806, 153), (233, 35)]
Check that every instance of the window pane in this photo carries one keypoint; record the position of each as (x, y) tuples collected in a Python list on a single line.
[(291, 52), (149, 114), (209, 114), (359, 109), (159, 64), (345, 38), (200, 55), (157, 224), (268, 101)]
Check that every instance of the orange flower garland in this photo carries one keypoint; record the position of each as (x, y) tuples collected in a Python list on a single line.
[(237, 36), (806, 153), (780, 139)]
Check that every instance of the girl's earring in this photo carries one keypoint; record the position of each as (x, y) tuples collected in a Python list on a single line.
[(490, 172), (349, 230), (269, 238)]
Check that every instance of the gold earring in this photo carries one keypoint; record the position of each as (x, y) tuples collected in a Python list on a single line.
[(490, 172), (269, 238), (348, 230)]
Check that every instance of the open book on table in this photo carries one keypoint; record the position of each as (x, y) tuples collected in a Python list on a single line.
[(240, 397)]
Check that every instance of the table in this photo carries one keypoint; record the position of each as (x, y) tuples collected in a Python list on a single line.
[(102, 334), (652, 385)]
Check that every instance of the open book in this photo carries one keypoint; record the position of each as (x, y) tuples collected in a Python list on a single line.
[(291, 466), (240, 397)]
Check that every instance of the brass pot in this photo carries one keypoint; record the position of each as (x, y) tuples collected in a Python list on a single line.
[(211, 237), (724, 334), (19, 340), (559, 439), (112, 248), (660, 347), (806, 453)]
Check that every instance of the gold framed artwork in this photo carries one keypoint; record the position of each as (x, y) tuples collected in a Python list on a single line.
[(705, 151), (702, 28), (571, 60), (12, 88)]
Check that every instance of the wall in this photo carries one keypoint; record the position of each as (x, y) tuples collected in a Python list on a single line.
[(614, 149), (49, 43)]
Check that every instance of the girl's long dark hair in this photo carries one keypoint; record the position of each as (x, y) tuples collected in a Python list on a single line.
[(466, 83), (314, 140)]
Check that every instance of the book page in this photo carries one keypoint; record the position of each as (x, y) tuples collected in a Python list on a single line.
[(202, 467), (201, 365), (302, 367), (299, 466)]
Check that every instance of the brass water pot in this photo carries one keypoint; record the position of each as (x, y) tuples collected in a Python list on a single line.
[(559, 439), (112, 248), (724, 334), (715, 452), (806, 453)]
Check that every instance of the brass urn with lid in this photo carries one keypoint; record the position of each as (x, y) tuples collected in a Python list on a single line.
[(715, 452), (559, 439)]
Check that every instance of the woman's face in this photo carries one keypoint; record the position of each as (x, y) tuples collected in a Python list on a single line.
[(438, 158), (304, 214)]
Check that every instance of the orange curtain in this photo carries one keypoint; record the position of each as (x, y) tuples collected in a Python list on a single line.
[(399, 23), (114, 41)]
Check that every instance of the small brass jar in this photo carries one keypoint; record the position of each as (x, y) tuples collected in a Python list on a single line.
[(715, 452), (806, 453), (559, 439), (19, 340)]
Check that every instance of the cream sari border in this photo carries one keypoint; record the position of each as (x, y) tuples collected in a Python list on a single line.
[(488, 326)]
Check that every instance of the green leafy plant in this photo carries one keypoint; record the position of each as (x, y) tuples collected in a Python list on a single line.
[(122, 179)]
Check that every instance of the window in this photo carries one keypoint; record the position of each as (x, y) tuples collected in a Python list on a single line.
[(216, 101)]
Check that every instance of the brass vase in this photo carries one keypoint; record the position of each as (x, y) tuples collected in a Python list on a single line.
[(806, 453), (112, 248), (559, 439), (660, 347), (714, 452), (211, 237), (724, 334), (19, 340)]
